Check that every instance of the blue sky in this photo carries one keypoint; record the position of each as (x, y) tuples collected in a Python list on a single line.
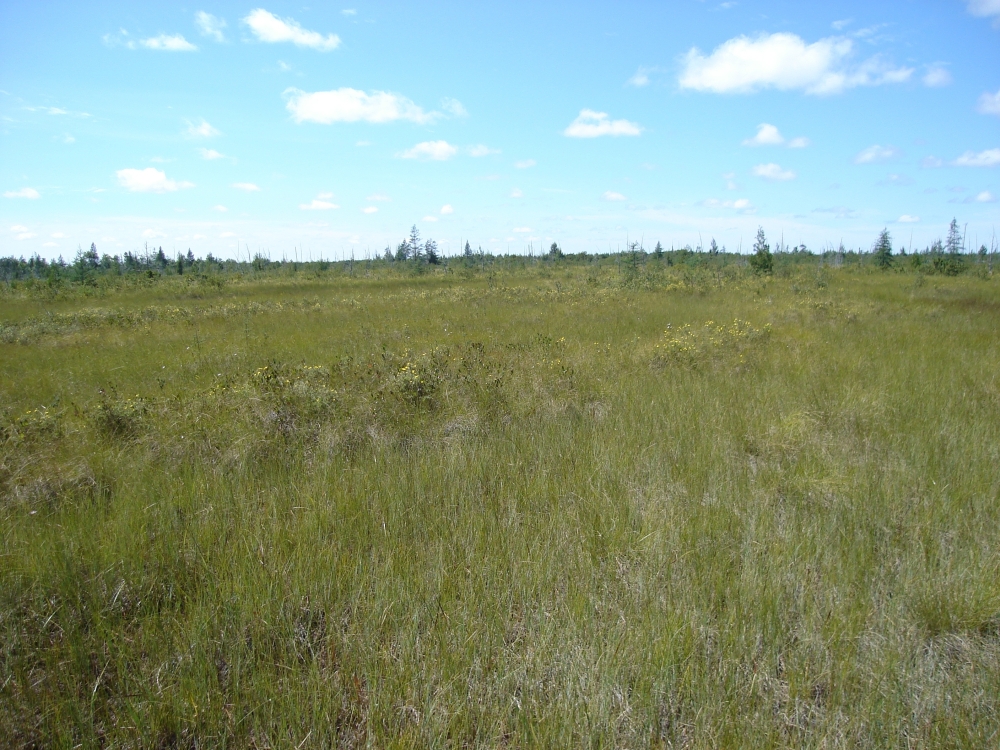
[(329, 129)]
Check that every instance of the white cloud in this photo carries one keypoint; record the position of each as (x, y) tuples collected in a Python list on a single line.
[(153, 233), (210, 26), (773, 172), (841, 24), (931, 162), (220, 208), (318, 205), (58, 236), (989, 104), (269, 28), (937, 76), (611, 195), (248, 187), (516, 193), (591, 124), (907, 219), (18, 228), (482, 150), (454, 107), (985, 197), (433, 150), (984, 8), (149, 180), (876, 153), (370, 209), (740, 204), (201, 130), (168, 43), (522, 230), (378, 197), (224, 235), (349, 12), (525, 164), (430, 218), (210, 154), (50, 244), (25, 192), (767, 135), (988, 158), (447, 209), (800, 142), (785, 62), (352, 105), (640, 78), (324, 196), (26, 236)]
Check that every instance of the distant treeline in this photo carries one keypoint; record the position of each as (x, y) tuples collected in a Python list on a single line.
[(950, 257)]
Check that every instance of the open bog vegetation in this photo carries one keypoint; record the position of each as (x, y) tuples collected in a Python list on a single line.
[(601, 503)]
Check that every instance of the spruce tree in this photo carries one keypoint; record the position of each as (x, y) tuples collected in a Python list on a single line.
[(882, 250), (761, 261)]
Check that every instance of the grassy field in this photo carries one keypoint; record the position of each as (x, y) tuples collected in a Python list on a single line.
[(552, 506)]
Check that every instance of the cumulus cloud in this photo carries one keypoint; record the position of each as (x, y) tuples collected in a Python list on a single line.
[(25, 192), (907, 219), (353, 105), (149, 180), (269, 28), (937, 76), (432, 150), (985, 197), (482, 150), (210, 154), (210, 26), (611, 195), (168, 43), (525, 164), (785, 62), (201, 130), (767, 135), (591, 124), (740, 204), (773, 172), (370, 209), (247, 187), (447, 209), (988, 158), (989, 104), (876, 153)]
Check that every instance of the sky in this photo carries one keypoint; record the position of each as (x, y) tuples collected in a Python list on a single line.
[(326, 130)]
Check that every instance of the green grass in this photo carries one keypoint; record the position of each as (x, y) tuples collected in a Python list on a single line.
[(521, 509)]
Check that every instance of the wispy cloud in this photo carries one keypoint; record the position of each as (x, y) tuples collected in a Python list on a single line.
[(210, 154), (907, 219), (353, 105), (482, 150), (430, 150), (454, 107), (210, 26), (516, 193), (985, 197), (246, 187), (591, 124), (988, 158), (25, 192), (611, 195), (985, 9), (200, 130), (149, 180), (785, 62), (168, 43), (937, 76), (370, 210), (525, 164), (378, 197), (640, 78), (267, 27), (447, 209), (773, 172), (876, 153), (318, 204), (740, 204), (989, 104)]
